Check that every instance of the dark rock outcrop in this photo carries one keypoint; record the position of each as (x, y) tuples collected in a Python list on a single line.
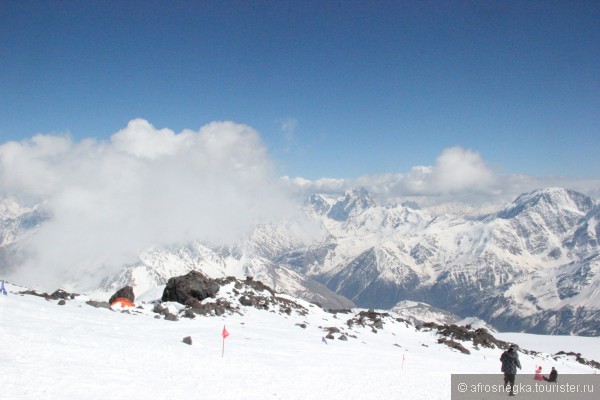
[(193, 286), (123, 293), (199, 294)]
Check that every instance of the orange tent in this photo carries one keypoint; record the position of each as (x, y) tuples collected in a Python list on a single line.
[(122, 302)]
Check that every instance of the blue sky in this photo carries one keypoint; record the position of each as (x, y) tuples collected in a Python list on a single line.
[(335, 89)]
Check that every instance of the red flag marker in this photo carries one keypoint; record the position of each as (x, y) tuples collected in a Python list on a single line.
[(224, 334)]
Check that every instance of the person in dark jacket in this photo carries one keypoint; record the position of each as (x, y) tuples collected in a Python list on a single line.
[(510, 363), (553, 376)]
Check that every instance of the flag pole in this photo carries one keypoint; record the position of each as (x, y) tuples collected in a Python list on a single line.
[(224, 334)]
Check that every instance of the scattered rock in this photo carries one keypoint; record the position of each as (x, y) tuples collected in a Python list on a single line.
[(303, 326), (171, 317), (245, 301), (258, 285), (339, 311), (454, 345), (579, 359), (368, 318), (60, 294), (32, 293), (218, 308), (62, 302), (187, 340), (57, 295), (479, 337), (98, 304), (405, 321), (343, 338)]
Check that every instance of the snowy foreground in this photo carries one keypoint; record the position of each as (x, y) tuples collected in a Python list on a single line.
[(76, 351)]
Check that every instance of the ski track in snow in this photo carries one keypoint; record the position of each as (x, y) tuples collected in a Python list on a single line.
[(77, 351)]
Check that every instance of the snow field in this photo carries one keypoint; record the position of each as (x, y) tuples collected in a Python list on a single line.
[(77, 351)]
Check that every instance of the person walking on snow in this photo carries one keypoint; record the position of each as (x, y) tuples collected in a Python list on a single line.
[(510, 363)]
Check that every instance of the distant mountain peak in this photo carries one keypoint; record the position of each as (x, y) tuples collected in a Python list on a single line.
[(556, 198), (354, 201), (318, 204), (10, 208)]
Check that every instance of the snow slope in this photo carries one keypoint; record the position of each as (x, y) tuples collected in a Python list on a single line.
[(75, 351), (589, 346)]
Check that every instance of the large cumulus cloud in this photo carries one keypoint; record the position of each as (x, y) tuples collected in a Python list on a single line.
[(110, 199)]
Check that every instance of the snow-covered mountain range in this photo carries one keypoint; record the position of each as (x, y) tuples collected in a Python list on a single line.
[(532, 266)]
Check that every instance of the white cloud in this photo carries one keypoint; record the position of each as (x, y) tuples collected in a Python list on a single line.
[(141, 139), (458, 170), (458, 175), (145, 186)]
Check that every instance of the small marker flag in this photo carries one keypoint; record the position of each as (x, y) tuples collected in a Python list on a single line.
[(323, 339), (3, 290), (224, 333)]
